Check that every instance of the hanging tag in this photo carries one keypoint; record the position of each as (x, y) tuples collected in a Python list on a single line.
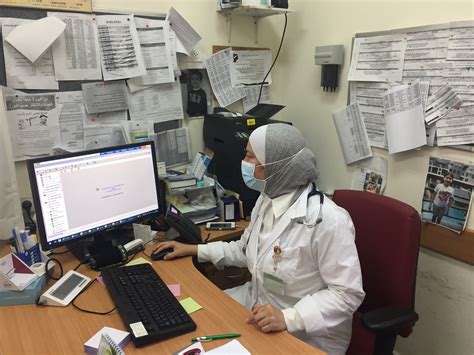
[(276, 256)]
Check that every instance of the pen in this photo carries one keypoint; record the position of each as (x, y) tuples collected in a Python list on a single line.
[(214, 337)]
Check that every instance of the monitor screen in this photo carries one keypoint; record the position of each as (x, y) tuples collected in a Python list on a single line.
[(81, 194)]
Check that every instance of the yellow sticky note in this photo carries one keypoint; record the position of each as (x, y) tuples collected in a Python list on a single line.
[(190, 305), (138, 261), (251, 122)]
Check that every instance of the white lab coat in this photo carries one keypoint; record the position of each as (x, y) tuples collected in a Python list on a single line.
[(319, 266)]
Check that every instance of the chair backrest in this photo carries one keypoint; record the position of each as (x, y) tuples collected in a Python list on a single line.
[(387, 240)]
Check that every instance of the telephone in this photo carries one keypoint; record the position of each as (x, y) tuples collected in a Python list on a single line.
[(189, 233)]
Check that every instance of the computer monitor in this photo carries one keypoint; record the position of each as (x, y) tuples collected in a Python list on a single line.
[(94, 192)]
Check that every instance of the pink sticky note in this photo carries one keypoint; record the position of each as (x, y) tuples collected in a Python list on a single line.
[(101, 281), (175, 289)]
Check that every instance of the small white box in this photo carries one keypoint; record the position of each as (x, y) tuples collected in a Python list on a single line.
[(256, 2)]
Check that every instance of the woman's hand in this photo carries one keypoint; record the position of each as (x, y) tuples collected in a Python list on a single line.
[(179, 249), (268, 318)]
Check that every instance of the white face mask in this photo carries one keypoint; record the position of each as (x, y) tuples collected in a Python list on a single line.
[(248, 173)]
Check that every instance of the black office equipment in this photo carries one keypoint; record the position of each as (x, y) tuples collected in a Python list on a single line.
[(226, 134), (182, 228), (94, 193), (146, 305), (161, 254)]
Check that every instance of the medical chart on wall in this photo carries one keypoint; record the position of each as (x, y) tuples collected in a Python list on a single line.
[(119, 43), (440, 58), (378, 58), (76, 52)]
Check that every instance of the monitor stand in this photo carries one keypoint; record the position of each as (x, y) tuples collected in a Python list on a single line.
[(104, 241)]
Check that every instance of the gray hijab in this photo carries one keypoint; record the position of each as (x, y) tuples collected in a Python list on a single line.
[(295, 165)]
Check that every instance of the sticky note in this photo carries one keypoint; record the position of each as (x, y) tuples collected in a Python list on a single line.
[(190, 305), (175, 289), (138, 261)]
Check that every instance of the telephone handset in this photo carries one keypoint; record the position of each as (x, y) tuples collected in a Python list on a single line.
[(189, 233)]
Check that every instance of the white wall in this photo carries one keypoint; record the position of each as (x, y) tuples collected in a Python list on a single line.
[(445, 293)]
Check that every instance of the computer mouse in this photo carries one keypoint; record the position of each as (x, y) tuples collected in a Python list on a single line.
[(161, 254)]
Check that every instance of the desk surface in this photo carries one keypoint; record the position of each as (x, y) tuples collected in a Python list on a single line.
[(28, 329), (225, 234)]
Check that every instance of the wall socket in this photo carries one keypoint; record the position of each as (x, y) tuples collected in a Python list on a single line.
[(195, 55)]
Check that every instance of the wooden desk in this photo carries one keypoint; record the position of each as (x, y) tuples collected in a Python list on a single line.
[(29, 329), (225, 234)]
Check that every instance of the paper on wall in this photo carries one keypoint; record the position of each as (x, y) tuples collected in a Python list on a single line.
[(114, 117), (71, 120), (369, 97), (378, 58), (156, 50), (121, 55), (251, 96), (218, 70), (33, 38), (173, 147), (403, 112), (174, 57), (441, 103), (33, 122), (76, 52), (100, 136), (105, 96), (137, 131), (352, 134), (456, 128), (250, 67), (158, 103), (186, 34), (20, 72), (370, 175)]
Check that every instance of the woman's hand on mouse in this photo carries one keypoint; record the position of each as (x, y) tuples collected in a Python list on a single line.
[(179, 249)]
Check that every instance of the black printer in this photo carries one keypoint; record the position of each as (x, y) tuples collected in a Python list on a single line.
[(226, 133)]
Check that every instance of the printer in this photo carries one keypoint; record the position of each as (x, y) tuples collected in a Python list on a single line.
[(226, 133)]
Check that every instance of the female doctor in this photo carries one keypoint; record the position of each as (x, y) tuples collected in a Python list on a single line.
[(299, 246)]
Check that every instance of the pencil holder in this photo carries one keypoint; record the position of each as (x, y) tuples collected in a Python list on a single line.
[(30, 256)]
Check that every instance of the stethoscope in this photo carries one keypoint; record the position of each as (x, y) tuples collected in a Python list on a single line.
[(319, 219), (314, 191)]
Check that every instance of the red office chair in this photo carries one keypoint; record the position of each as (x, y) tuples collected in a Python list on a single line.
[(388, 241)]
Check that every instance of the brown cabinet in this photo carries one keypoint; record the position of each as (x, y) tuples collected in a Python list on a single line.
[(228, 277)]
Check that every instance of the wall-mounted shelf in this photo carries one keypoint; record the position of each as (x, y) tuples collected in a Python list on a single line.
[(256, 12)]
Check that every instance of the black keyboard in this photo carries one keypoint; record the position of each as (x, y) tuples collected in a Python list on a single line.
[(146, 305)]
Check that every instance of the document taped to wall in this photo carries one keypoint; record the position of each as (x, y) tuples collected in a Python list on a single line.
[(71, 5)]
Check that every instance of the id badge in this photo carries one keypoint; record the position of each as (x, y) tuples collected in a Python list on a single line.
[(273, 283)]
